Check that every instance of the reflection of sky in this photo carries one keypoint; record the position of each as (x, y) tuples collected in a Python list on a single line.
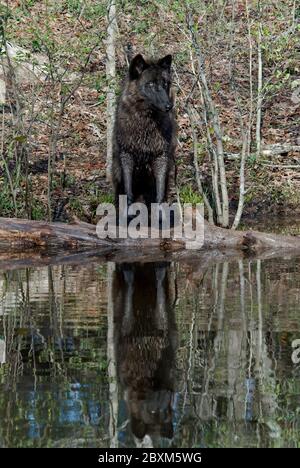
[(74, 407), (34, 427)]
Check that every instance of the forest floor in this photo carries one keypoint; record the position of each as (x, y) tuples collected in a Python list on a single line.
[(272, 183)]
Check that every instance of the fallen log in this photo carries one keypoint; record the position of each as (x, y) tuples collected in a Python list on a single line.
[(204, 259), (277, 149), (23, 235)]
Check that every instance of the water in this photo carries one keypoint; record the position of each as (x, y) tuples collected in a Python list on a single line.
[(89, 358)]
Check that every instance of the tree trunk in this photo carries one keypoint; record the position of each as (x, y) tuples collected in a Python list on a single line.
[(259, 84), (19, 235), (111, 77)]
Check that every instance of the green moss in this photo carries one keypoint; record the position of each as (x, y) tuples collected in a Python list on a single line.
[(188, 195), (76, 206), (6, 201), (106, 198), (38, 210)]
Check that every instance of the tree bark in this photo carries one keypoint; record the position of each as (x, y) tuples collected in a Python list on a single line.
[(111, 77), (19, 235), (212, 113), (259, 84)]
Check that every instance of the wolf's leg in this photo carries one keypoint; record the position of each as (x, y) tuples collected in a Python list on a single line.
[(160, 168), (160, 172), (171, 194), (128, 303), (127, 171), (160, 313), (116, 178)]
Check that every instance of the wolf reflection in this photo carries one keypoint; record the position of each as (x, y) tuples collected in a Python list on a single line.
[(145, 343)]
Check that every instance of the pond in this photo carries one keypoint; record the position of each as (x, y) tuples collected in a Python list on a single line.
[(151, 355)]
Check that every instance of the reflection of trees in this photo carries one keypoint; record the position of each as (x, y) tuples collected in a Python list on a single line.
[(235, 382), (111, 359), (53, 383), (235, 377)]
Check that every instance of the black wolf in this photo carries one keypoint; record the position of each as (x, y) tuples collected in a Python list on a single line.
[(145, 344), (145, 134)]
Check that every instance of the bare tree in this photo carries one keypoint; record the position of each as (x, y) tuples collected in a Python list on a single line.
[(111, 77), (57, 118), (294, 15), (212, 118), (244, 129), (196, 166), (259, 82), (17, 147)]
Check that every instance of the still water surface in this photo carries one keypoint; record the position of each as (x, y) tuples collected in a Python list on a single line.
[(152, 355)]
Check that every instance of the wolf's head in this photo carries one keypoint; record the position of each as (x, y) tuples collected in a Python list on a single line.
[(153, 81)]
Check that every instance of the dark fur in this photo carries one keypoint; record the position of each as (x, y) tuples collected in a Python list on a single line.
[(145, 134), (145, 343)]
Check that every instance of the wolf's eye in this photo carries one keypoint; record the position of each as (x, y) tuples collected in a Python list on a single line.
[(151, 84)]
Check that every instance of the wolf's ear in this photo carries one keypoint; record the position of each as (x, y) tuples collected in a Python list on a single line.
[(137, 66), (166, 62)]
